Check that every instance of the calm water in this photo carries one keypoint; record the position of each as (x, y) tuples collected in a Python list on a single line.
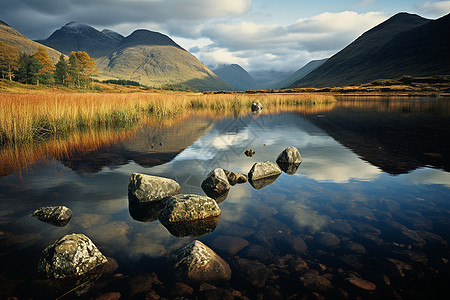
[(370, 200)]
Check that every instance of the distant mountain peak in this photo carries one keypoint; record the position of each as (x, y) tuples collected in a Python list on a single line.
[(147, 37)]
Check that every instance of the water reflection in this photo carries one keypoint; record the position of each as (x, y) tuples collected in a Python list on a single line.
[(341, 214)]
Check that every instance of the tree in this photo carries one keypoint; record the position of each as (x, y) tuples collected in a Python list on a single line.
[(61, 70), (82, 67), (45, 74), (9, 55), (28, 68)]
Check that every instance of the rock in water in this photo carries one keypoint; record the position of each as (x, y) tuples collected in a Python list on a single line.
[(70, 256), (361, 283), (249, 152), (257, 106), (195, 228), (182, 208), (262, 170), (55, 215), (196, 262), (289, 160), (235, 177), (146, 188), (216, 184)]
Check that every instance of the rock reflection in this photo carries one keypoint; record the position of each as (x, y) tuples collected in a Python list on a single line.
[(196, 228), (263, 182), (144, 212), (289, 169)]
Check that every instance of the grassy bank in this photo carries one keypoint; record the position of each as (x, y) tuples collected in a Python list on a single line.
[(30, 117)]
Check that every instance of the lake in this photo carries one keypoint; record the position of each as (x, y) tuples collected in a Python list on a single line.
[(367, 213)]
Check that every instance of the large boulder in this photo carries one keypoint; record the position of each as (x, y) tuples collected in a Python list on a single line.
[(235, 177), (262, 170), (216, 183), (183, 208), (196, 262), (71, 256), (146, 188), (195, 228), (289, 160), (55, 215)]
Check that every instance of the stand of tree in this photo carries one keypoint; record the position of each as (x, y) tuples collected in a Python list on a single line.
[(76, 71)]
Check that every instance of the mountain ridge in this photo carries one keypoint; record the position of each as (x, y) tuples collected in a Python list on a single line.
[(381, 53), (237, 77)]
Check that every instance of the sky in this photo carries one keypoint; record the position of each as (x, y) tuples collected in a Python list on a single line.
[(280, 35)]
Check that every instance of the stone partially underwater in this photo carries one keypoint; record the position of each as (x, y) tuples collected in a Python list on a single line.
[(289, 160), (55, 215), (71, 256), (263, 173), (197, 263), (145, 211), (195, 228), (216, 183), (147, 188), (184, 208)]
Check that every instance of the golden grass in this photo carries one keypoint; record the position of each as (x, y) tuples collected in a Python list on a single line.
[(31, 117)]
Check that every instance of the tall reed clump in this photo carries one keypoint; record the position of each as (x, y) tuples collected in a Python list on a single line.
[(30, 117)]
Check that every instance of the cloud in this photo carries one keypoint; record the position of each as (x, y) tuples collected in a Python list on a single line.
[(435, 9), (272, 46)]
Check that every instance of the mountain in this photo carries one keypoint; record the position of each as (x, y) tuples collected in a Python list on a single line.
[(14, 38), (297, 75), (81, 37), (237, 77), (405, 44), (151, 58), (263, 77)]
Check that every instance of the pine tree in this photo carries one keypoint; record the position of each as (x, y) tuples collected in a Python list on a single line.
[(61, 70), (82, 67), (28, 68), (9, 55), (45, 74), (74, 69)]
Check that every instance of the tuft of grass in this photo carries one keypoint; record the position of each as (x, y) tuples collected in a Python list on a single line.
[(30, 117)]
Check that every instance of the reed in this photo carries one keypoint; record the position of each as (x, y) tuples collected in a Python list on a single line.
[(31, 117)]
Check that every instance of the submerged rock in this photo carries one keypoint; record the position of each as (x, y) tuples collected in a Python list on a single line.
[(182, 208), (216, 183), (361, 283), (262, 170), (251, 271), (315, 282), (249, 152), (257, 106), (289, 160), (195, 228), (55, 215), (70, 256), (196, 262), (146, 188), (235, 177), (229, 244)]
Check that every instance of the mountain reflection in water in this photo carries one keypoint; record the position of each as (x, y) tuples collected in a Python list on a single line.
[(341, 215)]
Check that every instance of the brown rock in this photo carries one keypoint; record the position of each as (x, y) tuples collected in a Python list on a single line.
[(235, 177), (109, 296), (361, 283), (249, 152), (229, 244)]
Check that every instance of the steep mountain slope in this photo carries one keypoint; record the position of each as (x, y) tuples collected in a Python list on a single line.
[(81, 37), (296, 76), (237, 77), (405, 44), (151, 58), (154, 59), (14, 38)]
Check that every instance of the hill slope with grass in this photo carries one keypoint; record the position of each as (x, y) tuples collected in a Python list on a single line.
[(14, 38), (237, 77), (149, 57), (405, 44)]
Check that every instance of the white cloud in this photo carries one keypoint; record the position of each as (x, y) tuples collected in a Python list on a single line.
[(435, 9)]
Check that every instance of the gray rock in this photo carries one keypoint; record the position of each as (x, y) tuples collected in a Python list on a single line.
[(146, 188), (216, 183), (262, 170), (257, 106), (182, 208), (196, 262), (263, 182), (289, 160), (249, 152), (55, 215), (235, 177), (70, 256)]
